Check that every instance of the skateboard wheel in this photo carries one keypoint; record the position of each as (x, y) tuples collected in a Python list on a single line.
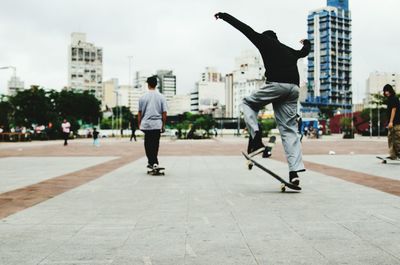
[(283, 188), (250, 166), (384, 162)]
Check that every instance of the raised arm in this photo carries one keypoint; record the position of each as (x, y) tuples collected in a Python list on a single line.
[(306, 48), (253, 36)]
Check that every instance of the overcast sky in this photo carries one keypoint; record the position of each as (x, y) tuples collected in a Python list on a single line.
[(180, 35)]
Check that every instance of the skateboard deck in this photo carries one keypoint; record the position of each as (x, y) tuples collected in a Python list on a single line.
[(385, 160), (157, 171), (285, 184)]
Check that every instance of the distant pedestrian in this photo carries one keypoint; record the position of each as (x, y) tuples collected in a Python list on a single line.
[(393, 115), (133, 128), (281, 89), (96, 141), (152, 117), (66, 129)]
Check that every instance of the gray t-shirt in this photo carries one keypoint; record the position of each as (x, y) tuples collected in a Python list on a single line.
[(152, 105)]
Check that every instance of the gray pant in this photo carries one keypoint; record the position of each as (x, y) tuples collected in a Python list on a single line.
[(284, 101)]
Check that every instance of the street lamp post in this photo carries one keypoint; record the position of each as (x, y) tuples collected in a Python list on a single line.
[(117, 110)]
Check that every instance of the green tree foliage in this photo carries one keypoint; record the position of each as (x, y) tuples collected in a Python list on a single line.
[(5, 113), (267, 125), (36, 106), (195, 122), (31, 106)]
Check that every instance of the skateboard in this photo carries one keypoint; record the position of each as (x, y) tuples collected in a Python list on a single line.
[(156, 172), (386, 159), (251, 161)]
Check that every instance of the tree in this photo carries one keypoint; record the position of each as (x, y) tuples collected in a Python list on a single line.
[(5, 113), (267, 125), (31, 106), (80, 106)]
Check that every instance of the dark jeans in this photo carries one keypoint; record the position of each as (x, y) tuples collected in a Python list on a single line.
[(133, 135), (151, 145), (66, 135)]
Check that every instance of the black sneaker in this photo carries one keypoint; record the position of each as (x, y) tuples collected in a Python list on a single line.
[(149, 166), (267, 152), (256, 145), (294, 178)]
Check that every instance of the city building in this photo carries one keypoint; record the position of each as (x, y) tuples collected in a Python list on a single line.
[(209, 93), (167, 83), (85, 65), (124, 96), (139, 89), (247, 76), (329, 63), (179, 104), (377, 80), (109, 99), (14, 85)]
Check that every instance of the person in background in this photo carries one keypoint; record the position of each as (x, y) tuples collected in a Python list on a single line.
[(393, 115)]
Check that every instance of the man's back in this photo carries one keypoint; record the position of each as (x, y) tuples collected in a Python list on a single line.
[(151, 106)]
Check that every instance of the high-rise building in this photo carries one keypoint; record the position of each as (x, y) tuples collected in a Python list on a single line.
[(167, 83), (179, 104), (209, 92), (85, 65), (247, 76), (109, 99), (139, 89), (377, 80), (329, 62), (15, 84)]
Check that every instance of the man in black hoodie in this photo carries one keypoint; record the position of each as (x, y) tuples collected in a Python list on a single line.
[(282, 90)]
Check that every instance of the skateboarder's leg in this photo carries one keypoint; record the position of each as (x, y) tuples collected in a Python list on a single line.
[(392, 143), (156, 146), (147, 146), (152, 140), (251, 106), (285, 115)]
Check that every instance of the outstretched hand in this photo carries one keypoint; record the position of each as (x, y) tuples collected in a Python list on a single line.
[(304, 41), (218, 15)]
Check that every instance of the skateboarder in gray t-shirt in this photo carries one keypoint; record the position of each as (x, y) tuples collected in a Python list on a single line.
[(152, 117)]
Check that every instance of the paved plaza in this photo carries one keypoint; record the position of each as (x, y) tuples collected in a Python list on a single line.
[(90, 205)]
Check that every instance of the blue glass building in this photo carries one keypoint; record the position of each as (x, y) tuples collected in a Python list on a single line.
[(329, 62)]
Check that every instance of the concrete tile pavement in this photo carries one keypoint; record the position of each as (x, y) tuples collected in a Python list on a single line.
[(208, 209)]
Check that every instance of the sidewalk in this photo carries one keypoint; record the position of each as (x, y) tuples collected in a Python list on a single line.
[(207, 209)]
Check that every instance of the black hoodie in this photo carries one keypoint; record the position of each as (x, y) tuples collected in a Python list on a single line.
[(280, 61)]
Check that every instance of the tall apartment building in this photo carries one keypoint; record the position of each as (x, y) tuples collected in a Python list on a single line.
[(209, 92), (139, 89), (14, 85), (247, 76), (329, 63), (85, 65), (377, 80), (167, 83), (109, 99), (179, 104)]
